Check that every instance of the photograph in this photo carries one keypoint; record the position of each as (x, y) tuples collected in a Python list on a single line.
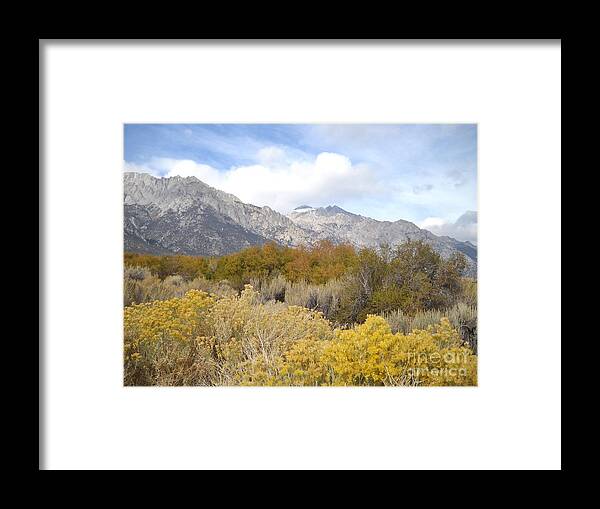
[(300, 255), (279, 254)]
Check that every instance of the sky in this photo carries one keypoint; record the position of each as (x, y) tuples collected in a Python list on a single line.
[(423, 173)]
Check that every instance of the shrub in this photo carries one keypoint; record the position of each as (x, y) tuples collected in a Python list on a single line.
[(164, 344), (249, 338), (411, 277), (469, 291), (271, 288), (463, 317), (251, 263), (137, 273), (324, 298), (335, 279), (321, 263), (189, 267), (370, 354), (140, 286)]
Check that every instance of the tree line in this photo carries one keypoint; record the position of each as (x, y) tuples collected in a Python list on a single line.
[(344, 282)]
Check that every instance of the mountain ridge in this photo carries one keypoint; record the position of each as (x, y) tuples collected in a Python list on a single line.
[(185, 215)]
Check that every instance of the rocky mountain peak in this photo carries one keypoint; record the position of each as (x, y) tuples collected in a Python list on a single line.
[(334, 209), (185, 215)]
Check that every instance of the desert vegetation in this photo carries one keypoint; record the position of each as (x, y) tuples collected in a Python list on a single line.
[(327, 315)]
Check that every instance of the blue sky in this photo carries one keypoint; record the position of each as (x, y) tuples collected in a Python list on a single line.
[(424, 173)]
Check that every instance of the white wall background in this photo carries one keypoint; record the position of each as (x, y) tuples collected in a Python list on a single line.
[(511, 421)]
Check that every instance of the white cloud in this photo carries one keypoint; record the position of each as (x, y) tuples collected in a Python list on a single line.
[(433, 222), (329, 178), (464, 228), (187, 168), (387, 172), (271, 156), (138, 168)]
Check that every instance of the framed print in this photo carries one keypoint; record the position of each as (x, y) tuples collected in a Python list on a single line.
[(300, 255)]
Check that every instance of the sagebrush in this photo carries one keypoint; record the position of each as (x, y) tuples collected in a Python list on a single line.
[(200, 339)]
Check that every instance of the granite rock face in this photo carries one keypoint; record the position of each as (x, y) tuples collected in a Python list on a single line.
[(184, 215)]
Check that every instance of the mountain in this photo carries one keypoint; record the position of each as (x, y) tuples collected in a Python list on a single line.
[(184, 215), (339, 225)]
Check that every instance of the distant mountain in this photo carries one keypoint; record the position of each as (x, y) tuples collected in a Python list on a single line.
[(339, 225), (184, 215)]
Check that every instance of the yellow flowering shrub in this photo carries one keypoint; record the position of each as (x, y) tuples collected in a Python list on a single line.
[(199, 339), (250, 338), (303, 364), (164, 342), (177, 318), (370, 354)]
